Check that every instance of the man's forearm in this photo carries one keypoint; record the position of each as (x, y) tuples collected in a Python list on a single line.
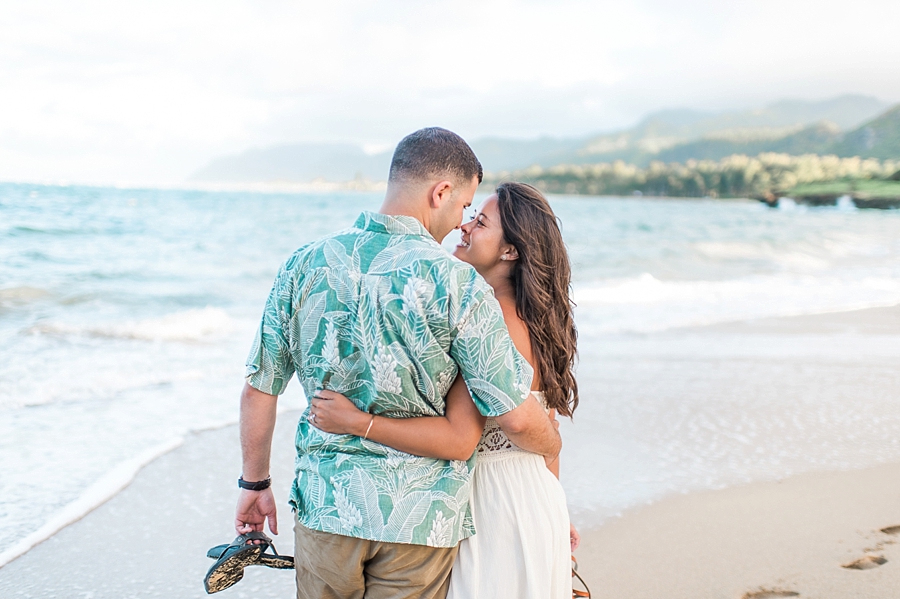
[(257, 426), (544, 440), (530, 429)]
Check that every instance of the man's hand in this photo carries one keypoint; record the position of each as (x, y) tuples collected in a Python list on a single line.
[(253, 509)]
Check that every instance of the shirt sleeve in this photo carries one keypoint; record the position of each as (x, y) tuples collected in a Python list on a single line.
[(270, 364), (497, 375)]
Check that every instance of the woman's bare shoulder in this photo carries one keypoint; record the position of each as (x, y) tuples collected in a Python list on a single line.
[(521, 338)]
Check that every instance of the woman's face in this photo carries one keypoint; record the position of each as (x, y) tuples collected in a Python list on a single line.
[(482, 238)]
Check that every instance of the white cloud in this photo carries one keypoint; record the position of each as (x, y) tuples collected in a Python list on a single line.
[(151, 91)]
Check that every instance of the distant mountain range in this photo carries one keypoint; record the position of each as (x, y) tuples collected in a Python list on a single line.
[(847, 126)]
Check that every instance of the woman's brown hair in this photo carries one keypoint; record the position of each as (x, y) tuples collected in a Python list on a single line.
[(541, 278)]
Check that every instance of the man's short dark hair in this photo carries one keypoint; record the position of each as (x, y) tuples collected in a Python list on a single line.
[(434, 152)]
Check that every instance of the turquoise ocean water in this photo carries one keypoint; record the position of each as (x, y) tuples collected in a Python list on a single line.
[(126, 315)]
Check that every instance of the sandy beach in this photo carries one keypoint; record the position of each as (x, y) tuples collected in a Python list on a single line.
[(806, 536), (828, 535), (753, 541), (777, 538)]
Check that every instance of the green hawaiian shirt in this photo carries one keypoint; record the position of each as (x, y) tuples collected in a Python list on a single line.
[(383, 314)]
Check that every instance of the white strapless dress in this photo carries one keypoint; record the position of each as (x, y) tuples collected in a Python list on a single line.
[(520, 549)]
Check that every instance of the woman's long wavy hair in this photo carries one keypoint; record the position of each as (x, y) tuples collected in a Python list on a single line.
[(541, 278)]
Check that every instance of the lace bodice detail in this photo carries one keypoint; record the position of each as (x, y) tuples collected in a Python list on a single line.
[(494, 440)]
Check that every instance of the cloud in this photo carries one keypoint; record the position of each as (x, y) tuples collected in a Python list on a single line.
[(150, 92)]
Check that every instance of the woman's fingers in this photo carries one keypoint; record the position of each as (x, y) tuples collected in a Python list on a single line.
[(316, 412), (574, 537), (321, 411)]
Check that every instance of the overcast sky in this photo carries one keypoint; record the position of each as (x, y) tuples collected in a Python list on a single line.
[(151, 91)]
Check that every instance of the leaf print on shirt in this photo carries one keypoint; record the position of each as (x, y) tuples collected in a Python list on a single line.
[(362, 494), (346, 376), (375, 312), (305, 328), (330, 349), (416, 294), (343, 271), (445, 381), (383, 367), (440, 530), (349, 514), (408, 513)]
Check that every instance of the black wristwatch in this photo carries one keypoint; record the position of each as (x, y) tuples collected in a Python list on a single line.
[(257, 486)]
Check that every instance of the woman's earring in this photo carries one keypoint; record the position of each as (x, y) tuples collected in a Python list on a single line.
[(504, 257)]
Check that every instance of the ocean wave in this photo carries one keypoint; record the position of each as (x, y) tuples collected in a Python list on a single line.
[(647, 304), (805, 258), (122, 474), (94, 496), (190, 325)]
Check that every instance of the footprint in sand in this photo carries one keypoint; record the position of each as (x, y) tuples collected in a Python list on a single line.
[(866, 563), (891, 530), (769, 594)]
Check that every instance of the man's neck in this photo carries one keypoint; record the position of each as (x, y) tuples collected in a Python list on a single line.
[(395, 205)]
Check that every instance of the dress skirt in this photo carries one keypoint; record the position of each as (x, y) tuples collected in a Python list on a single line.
[(520, 549)]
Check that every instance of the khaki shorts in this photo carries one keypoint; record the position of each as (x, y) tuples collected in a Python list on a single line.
[(330, 566)]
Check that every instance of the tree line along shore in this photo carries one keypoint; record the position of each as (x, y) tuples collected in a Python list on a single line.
[(808, 179)]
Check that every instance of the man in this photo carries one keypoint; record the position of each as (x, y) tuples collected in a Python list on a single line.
[(381, 313)]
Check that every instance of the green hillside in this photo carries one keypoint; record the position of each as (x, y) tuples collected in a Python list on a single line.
[(655, 140), (879, 138), (793, 127), (817, 139)]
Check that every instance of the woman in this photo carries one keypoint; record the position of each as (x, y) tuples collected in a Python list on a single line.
[(518, 506)]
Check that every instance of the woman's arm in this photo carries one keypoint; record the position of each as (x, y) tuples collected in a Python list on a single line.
[(450, 437), (553, 466)]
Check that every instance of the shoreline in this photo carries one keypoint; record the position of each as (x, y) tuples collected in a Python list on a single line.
[(104, 489), (167, 510), (788, 536), (150, 539), (108, 486)]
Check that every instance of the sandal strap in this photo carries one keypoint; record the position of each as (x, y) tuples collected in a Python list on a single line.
[(256, 535)]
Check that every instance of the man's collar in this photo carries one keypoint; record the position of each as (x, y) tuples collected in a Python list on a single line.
[(390, 224)]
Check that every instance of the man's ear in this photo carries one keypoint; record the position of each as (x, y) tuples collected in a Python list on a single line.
[(441, 193)]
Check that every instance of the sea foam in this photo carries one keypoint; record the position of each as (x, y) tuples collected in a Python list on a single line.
[(646, 304), (190, 325)]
